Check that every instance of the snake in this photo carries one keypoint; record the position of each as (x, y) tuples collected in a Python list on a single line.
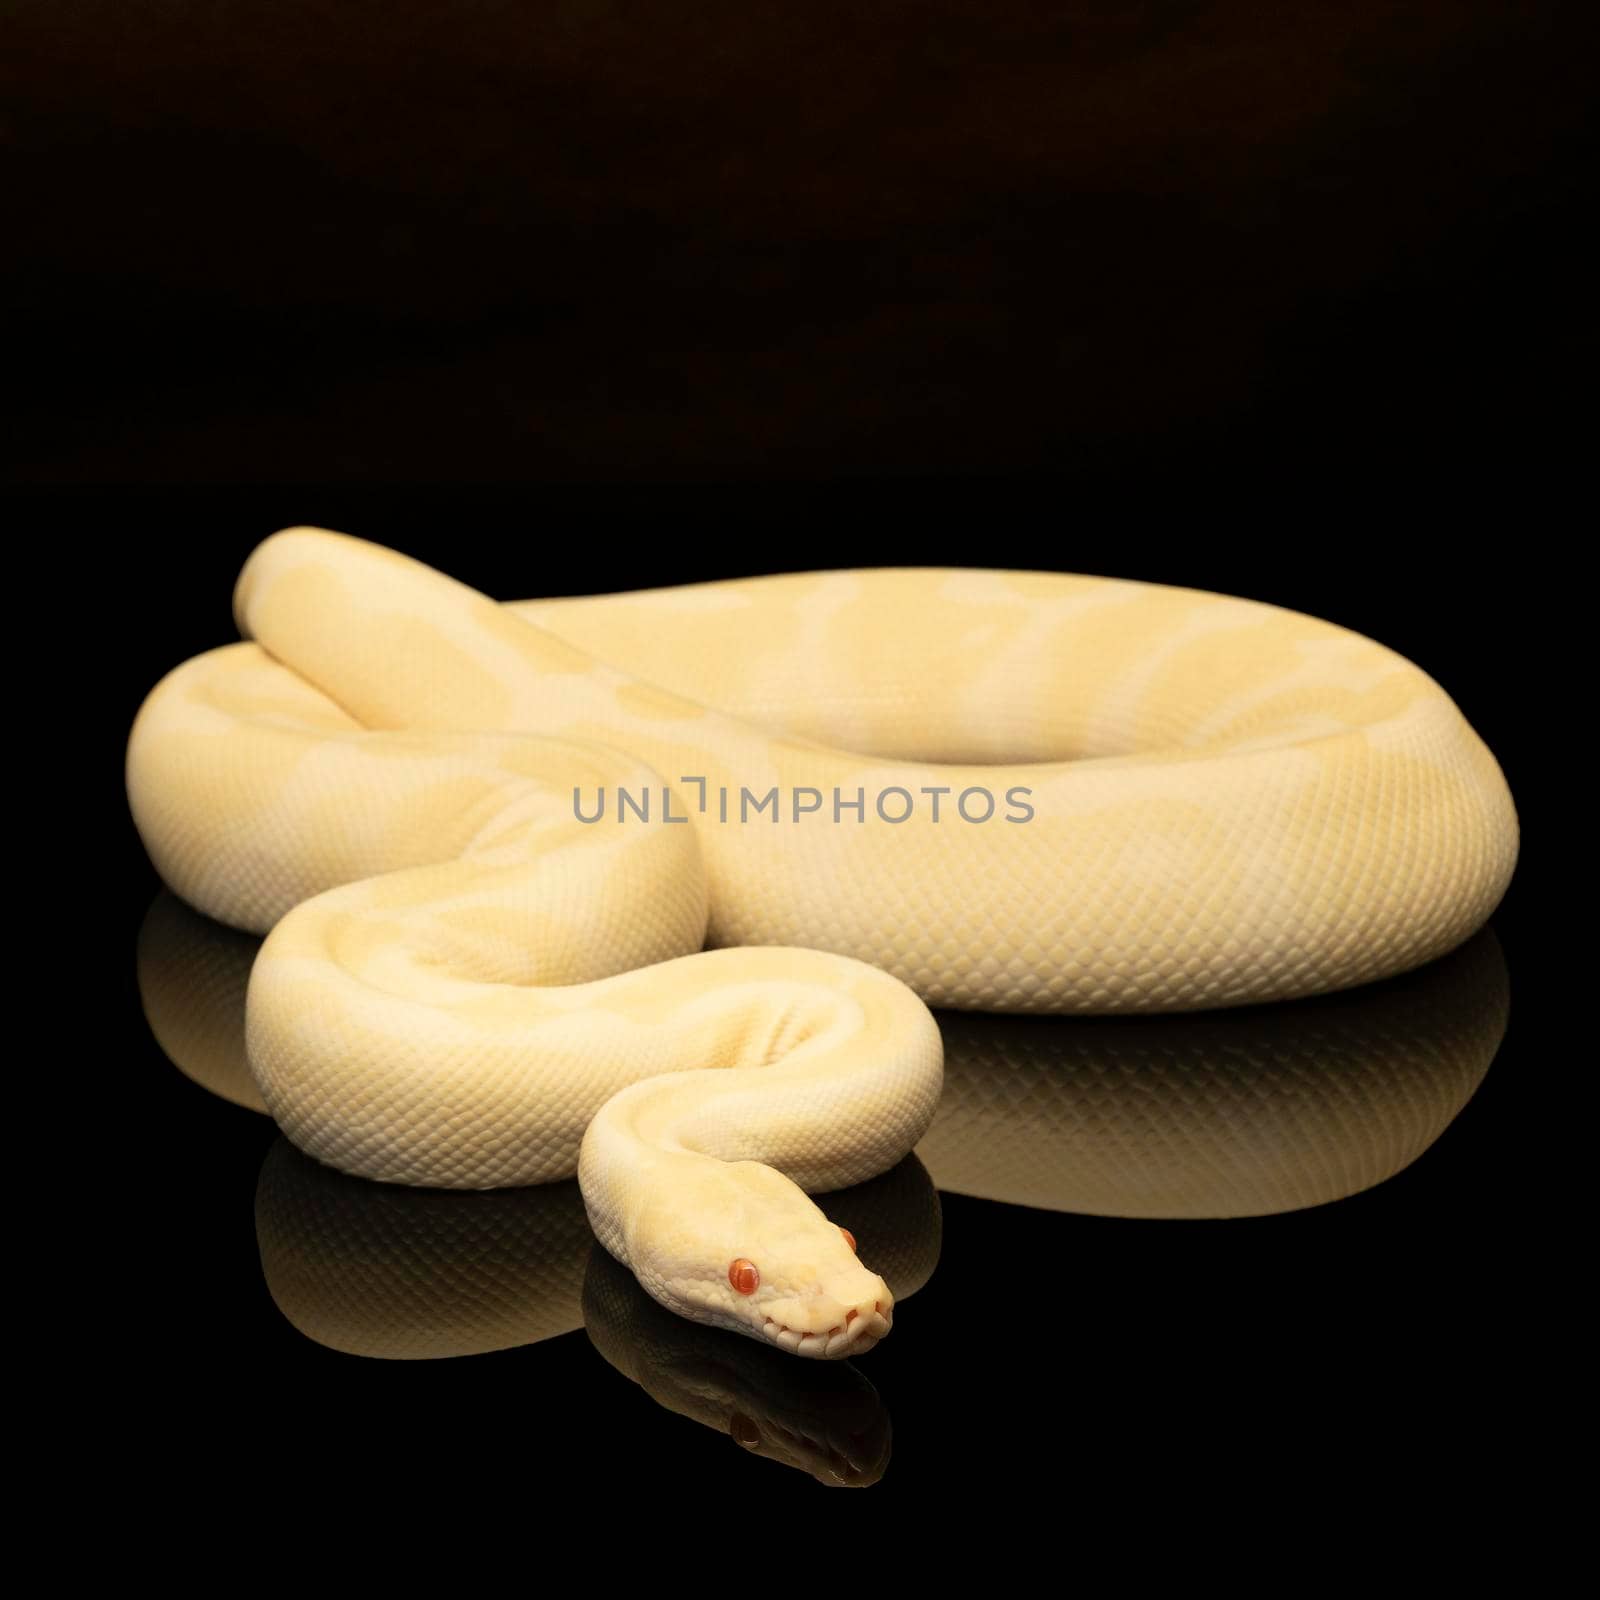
[(657, 889)]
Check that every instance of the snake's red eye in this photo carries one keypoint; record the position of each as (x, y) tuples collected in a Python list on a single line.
[(849, 1238), (743, 1276)]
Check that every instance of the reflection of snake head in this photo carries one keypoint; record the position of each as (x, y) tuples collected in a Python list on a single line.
[(825, 1419), (751, 1252)]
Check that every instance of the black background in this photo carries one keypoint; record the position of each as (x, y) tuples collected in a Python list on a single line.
[(1276, 300)]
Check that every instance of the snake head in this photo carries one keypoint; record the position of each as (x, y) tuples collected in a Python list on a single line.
[(753, 1253)]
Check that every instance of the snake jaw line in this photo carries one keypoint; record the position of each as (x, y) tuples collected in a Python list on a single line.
[(855, 1334), (836, 1345)]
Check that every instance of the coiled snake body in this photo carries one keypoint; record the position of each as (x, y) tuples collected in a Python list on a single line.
[(1082, 795)]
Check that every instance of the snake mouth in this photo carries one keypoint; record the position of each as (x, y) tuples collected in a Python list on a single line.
[(857, 1334)]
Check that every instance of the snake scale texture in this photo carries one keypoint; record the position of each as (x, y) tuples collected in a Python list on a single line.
[(489, 846)]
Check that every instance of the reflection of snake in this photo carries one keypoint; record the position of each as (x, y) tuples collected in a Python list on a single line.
[(1229, 1114), (193, 974), (1223, 802)]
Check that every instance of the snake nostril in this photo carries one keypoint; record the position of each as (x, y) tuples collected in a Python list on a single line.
[(850, 1316)]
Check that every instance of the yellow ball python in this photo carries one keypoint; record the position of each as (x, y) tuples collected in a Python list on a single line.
[(489, 844)]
